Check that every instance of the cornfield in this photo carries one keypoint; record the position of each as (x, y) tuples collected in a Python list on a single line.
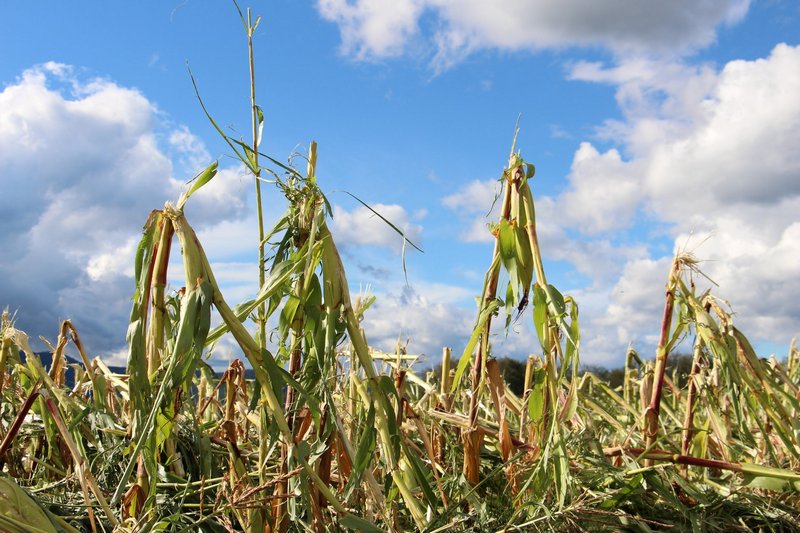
[(335, 435)]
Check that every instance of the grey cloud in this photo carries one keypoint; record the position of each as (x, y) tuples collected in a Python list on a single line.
[(82, 166), (375, 29)]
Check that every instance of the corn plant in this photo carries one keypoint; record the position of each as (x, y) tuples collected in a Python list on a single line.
[(330, 433)]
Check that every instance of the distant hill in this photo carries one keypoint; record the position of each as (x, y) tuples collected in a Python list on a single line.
[(47, 361)]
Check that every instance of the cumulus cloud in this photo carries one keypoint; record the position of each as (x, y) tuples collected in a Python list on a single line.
[(362, 227), (475, 196), (453, 29), (744, 144), (84, 162), (710, 167), (373, 29), (430, 316), (475, 204), (587, 205), (590, 203), (735, 129), (714, 158), (636, 301)]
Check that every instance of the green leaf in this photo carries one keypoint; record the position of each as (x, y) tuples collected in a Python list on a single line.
[(536, 398), (287, 315), (312, 306), (277, 280), (351, 521), (530, 170), (422, 479), (524, 257), (769, 472), (770, 483), (282, 224), (143, 253), (386, 386), (279, 377), (508, 249), (556, 301), (490, 308), (259, 112), (562, 474), (387, 390), (137, 360), (511, 299), (20, 512), (79, 418), (366, 447), (195, 321), (540, 316), (198, 181), (632, 487), (574, 331), (163, 429)]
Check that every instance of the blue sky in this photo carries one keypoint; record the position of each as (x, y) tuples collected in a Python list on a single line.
[(653, 126)]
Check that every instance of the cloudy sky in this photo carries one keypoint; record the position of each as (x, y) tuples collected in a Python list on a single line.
[(654, 126)]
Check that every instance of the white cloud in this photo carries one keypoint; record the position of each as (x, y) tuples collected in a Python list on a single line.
[(590, 203), (362, 227), (744, 145), (651, 84), (428, 316), (707, 151), (478, 230), (193, 153), (431, 316), (116, 261), (475, 197), (757, 273), (636, 303), (222, 199), (231, 239), (473, 203), (587, 205), (712, 154), (374, 29), (84, 162), (734, 130)]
